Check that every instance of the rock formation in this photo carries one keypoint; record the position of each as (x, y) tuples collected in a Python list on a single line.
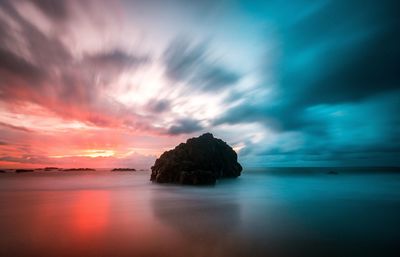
[(23, 170), (199, 161)]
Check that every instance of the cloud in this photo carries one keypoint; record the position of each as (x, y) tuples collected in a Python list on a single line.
[(360, 133), (185, 126), (88, 86), (19, 128), (46, 72), (190, 63), (159, 105), (116, 60), (334, 83), (353, 59), (320, 85), (10, 64), (323, 58), (55, 9)]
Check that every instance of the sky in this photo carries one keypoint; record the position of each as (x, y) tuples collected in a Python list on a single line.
[(117, 83)]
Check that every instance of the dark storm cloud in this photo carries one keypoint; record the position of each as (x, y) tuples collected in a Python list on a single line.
[(116, 59), (45, 49), (351, 49), (341, 134), (159, 105), (107, 65), (55, 9), (10, 64), (190, 63), (340, 52), (44, 52), (185, 126), (337, 78)]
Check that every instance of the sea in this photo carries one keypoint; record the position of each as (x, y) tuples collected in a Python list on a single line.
[(341, 212)]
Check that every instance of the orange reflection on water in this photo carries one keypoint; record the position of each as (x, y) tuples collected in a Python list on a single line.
[(91, 212)]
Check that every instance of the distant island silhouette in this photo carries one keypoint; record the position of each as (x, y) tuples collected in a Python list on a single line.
[(23, 170), (79, 169), (123, 169), (50, 168)]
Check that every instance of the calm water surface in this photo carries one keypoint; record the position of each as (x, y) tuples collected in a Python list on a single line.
[(270, 212)]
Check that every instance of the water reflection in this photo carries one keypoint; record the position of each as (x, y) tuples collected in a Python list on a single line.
[(256, 215), (90, 212), (197, 218), (206, 219)]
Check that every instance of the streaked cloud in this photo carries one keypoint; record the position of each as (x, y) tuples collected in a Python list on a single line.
[(310, 83)]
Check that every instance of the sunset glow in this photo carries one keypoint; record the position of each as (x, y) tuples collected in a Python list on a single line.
[(90, 153)]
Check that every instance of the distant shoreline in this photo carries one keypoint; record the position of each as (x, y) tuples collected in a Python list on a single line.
[(271, 170)]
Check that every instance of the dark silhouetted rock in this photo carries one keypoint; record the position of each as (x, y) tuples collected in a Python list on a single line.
[(50, 168), (197, 177), (23, 170), (79, 169), (123, 169), (2, 171), (199, 161)]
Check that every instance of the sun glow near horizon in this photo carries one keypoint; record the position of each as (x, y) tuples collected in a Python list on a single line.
[(89, 153)]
